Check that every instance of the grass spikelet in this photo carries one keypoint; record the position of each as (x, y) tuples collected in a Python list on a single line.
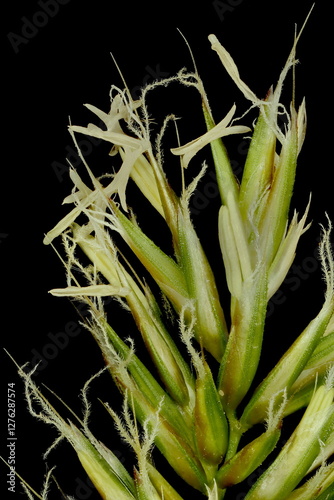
[(181, 336)]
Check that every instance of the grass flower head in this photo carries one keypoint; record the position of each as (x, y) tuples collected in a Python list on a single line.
[(195, 401)]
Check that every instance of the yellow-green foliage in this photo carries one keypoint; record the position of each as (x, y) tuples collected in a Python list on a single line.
[(189, 406)]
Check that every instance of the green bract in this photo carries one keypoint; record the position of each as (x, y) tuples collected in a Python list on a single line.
[(194, 402)]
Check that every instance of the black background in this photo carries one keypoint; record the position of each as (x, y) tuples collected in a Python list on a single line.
[(48, 75)]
